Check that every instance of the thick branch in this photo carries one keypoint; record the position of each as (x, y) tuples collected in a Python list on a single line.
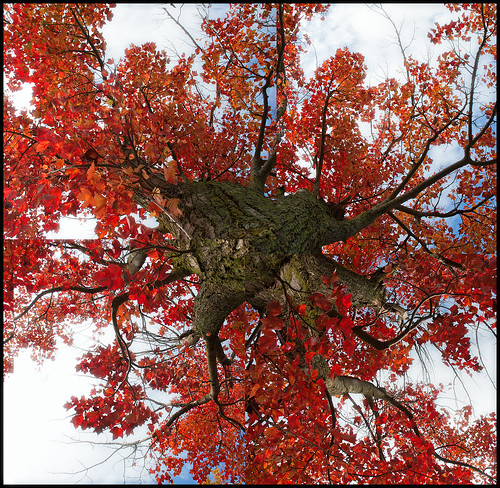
[(319, 162), (261, 168), (444, 215), (204, 399), (473, 82), (359, 332), (352, 226), (256, 177), (211, 347), (215, 353)]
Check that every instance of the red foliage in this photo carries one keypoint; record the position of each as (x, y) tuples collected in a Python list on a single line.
[(70, 155)]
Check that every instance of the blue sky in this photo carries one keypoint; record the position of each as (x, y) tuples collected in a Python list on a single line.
[(36, 424)]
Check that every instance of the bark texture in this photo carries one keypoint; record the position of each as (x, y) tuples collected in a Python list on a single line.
[(243, 245), (247, 248)]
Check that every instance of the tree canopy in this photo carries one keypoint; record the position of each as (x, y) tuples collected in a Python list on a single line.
[(308, 248)]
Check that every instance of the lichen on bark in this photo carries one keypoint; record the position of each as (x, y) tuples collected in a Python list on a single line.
[(245, 247), (239, 242)]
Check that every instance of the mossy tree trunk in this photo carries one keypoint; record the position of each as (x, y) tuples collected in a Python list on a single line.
[(243, 246)]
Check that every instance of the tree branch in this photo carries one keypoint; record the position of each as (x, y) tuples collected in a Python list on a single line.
[(345, 229), (89, 40), (260, 168), (456, 211), (187, 407), (319, 162), (256, 181), (81, 289), (444, 260), (193, 40)]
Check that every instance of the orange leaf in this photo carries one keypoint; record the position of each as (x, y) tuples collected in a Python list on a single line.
[(85, 196), (172, 206), (41, 146), (91, 171), (170, 172), (253, 390)]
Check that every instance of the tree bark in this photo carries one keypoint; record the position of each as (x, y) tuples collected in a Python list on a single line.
[(239, 242), (247, 248)]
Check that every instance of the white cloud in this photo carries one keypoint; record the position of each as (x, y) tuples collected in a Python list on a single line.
[(364, 30), (74, 228), (38, 434), (139, 23), (35, 422)]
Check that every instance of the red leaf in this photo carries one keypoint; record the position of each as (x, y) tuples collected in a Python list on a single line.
[(77, 420), (272, 323), (348, 346), (117, 432), (346, 324), (90, 155), (319, 300), (346, 300), (170, 172), (110, 277), (92, 417), (274, 308)]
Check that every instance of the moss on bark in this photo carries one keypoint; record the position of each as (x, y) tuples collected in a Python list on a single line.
[(239, 242)]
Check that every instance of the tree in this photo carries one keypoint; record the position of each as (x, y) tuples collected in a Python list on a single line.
[(299, 258)]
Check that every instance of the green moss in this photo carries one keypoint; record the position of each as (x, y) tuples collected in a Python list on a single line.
[(240, 241)]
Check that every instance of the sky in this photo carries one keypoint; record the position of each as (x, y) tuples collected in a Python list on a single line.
[(36, 426)]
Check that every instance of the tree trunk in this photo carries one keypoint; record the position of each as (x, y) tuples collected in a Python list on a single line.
[(239, 242)]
